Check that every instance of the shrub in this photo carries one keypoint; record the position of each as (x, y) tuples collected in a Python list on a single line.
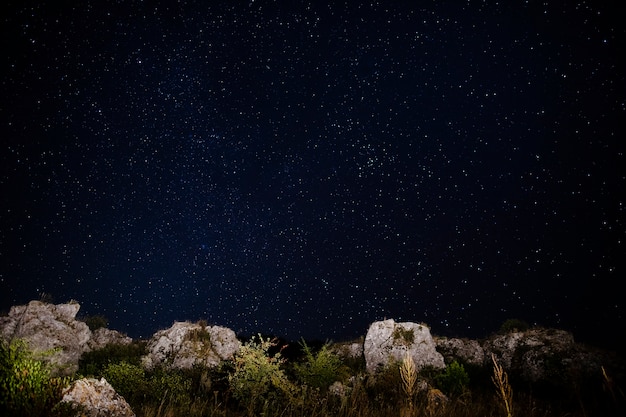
[(453, 380), (26, 387), (93, 363), (257, 378), (514, 325), (385, 385), (139, 387), (96, 322), (320, 370), (128, 380)]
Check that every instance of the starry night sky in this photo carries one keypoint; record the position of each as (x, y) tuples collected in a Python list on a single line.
[(304, 169)]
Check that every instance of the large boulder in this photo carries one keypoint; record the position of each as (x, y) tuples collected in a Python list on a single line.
[(387, 341), (49, 328), (96, 398), (187, 344)]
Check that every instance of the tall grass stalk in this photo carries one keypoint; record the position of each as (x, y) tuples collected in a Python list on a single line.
[(408, 373), (503, 388)]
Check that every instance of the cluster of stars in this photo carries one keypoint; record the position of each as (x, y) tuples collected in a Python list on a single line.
[(306, 170)]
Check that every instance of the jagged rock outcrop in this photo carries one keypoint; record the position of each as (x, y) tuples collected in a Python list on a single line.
[(388, 341), (96, 398), (48, 327), (462, 350), (103, 336), (548, 355), (53, 328), (186, 344)]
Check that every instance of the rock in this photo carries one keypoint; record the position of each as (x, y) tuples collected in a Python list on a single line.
[(186, 344), (46, 327), (546, 355), (102, 337), (388, 341), (462, 350), (348, 350), (96, 398)]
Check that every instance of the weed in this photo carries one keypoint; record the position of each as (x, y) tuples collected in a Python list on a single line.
[(503, 388), (320, 370), (408, 374), (404, 336), (26, 385)]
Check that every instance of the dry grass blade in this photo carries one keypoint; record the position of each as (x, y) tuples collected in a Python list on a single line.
[(503, 388)]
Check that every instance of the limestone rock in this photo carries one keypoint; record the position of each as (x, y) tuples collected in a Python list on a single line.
[(348, 350), (388, 341), (103, 336), (97, 398), (186, 344), (542, 355), (46, 327), (462, 350)]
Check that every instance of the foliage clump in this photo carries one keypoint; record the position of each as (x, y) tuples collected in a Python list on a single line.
[(138, 386), (453, 380), (405, 336), (321, 369), (96, 322), (258, 379), (93, 363), (514, 325), (26, 385)]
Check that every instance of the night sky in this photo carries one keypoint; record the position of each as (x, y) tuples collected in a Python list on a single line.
[(303, 169)]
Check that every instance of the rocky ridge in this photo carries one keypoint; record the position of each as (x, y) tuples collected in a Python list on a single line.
[(536, 355)]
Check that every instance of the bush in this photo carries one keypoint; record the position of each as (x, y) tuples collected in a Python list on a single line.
[(320, 370), (26, 387), (257, 379), (128, 380), (93, 363), (96, 322), (139, 387), (514, 325), (453, 380)]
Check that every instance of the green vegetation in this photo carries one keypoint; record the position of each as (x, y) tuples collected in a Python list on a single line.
[(321, 369), (315, 383), (405, 336), (453, 380), (93, 363), (26, 385), (514, 325), (96, 322), (258, 380)]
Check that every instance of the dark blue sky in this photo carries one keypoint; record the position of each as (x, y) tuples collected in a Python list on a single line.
[(305, 169)]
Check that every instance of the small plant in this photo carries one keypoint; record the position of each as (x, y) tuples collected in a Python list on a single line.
[(199, 335), (96, 322), (503, 388), (93, 363), (26, 386), (128, 380), (257, 379), (404, 336), (320, 370), (454, 380), (514, 325), (408, 373)]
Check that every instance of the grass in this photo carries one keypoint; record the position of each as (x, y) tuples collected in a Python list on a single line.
[(259, 381), (504, 390)]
